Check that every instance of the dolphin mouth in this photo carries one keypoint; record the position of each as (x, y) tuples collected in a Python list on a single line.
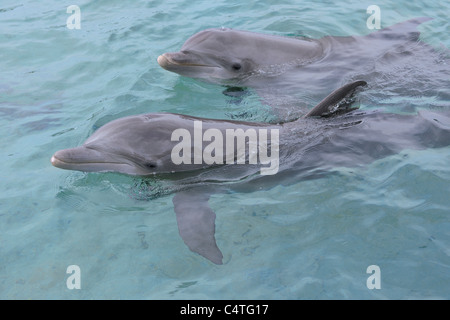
[(179, 59), (70, 165), (88, 160)]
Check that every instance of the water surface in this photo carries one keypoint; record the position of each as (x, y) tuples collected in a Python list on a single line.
[(311, 240)]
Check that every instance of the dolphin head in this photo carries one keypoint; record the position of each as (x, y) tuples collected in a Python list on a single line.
[(230, 57), (135, 145)]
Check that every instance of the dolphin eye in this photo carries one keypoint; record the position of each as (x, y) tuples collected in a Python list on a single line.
[(150, 165), (236, 66)]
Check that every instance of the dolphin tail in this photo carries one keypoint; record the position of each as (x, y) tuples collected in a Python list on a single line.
[(196, 223), (337, 102), (406, 30)]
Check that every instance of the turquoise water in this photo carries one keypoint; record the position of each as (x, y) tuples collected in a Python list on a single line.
[(311, 240)]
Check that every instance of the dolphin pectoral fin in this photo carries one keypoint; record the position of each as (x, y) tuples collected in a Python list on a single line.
[(336, 102), (196, 224)]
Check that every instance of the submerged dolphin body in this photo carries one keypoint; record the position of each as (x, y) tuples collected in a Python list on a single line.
[(279, 67), (143, 145)]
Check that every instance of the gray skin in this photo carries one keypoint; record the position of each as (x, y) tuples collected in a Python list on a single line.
[(232, 57), (242, 58), (309, 147), (286, 70)]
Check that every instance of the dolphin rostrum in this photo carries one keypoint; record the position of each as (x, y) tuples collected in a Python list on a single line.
[(196, 156)]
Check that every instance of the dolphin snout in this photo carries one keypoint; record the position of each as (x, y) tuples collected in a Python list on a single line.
[(62, 158), (181, 59), (78, 158), (163, 60), (90, 160)]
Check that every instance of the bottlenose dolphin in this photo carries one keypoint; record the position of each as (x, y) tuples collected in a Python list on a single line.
[(332, 135), (279, 67)]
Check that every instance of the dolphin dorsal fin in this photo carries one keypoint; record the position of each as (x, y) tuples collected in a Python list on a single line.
[(336, 102)]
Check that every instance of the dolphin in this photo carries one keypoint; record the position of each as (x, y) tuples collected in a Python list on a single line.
[(334, 134), (279, 67)]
